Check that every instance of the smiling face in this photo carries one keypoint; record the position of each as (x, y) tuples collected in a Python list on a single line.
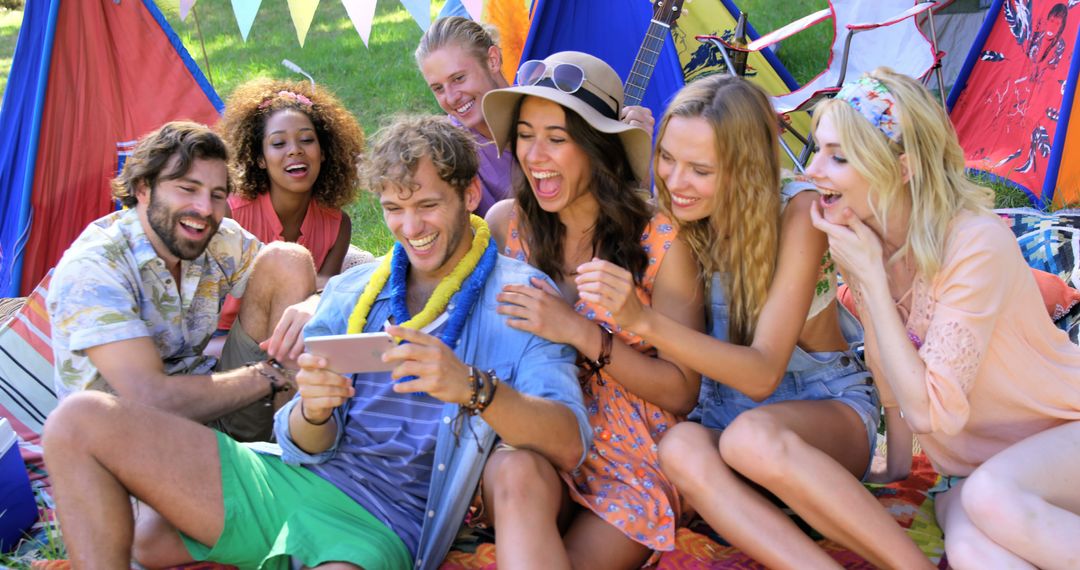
[(181, 215), (459, 81), (291, 154), (688, 166), (840, 185), (431, 221), (556, 167)]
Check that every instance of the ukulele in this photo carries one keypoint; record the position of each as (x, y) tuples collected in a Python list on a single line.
[(665, 13)]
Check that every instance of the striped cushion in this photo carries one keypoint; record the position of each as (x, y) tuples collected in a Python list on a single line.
[(26, 375)]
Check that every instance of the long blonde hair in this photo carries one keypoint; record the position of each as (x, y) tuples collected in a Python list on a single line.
[(937, 189), (740, 238)]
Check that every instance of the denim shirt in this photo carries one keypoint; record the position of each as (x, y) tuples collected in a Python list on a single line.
[(529, 363)]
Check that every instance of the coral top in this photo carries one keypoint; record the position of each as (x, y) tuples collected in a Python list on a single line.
[(318, 233), (620, 479), (997, 369)]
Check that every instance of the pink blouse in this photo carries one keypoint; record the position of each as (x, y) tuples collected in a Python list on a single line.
[(318, 233), (997, 369)]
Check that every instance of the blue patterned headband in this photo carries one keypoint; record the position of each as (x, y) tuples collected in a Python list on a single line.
[(872, 100)]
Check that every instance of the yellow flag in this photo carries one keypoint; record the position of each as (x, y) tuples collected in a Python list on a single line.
[(710, 17), (302, 12)]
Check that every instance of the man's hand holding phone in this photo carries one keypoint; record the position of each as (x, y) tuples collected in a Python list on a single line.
[(435, 368), (321, 390)]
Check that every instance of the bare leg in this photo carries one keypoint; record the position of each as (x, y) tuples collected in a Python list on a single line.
[(283, 275), (157, 542), (99, 449), (594, 544), (965, 545), (525, 497), (1027, 498), (809, 454), (690, 457)]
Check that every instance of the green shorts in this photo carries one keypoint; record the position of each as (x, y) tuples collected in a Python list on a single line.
[(274, 511)]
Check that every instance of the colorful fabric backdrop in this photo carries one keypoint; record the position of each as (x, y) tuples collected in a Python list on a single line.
[(1012, 102)]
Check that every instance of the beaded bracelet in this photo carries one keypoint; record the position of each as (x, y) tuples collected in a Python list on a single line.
[(483, 385), (491, 382), (474, 387)]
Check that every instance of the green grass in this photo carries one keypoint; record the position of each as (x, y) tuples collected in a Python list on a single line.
[(47, 547), (373, 82), (10, 20), (804, 54)]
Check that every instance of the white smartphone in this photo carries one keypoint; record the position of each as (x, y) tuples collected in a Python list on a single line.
[(350, 353)]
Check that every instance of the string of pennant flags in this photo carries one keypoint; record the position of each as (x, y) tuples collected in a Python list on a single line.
[(302, 12)]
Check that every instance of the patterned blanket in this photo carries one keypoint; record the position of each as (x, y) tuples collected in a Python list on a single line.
[(698, 548), (1050, 242)]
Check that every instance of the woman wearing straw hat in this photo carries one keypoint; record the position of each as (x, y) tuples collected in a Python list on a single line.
[(576, 201), (461, 60)]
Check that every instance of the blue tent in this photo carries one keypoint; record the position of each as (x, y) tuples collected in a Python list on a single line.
[(20, 115), (611, 30)]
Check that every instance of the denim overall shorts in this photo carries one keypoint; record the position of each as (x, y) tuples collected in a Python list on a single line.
[(840, 376)]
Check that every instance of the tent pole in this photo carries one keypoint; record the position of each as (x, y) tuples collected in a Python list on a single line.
[(202, 43), (937, 57)]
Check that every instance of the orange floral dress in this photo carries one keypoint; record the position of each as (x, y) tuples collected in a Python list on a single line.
[(620, 479)]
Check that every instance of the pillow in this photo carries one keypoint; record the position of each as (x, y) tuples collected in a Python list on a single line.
[(26, 375), (1057, 295)]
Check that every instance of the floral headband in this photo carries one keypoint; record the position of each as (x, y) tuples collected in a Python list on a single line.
[(872, 100), (286, 95)]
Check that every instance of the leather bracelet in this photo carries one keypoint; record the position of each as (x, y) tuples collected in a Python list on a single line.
[(491, 383), (303, 414), (604, 358), (275, 386)]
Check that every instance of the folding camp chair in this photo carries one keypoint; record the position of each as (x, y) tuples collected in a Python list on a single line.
[(896, 42)]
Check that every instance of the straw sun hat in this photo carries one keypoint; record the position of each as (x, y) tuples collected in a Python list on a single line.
[(598, 100)]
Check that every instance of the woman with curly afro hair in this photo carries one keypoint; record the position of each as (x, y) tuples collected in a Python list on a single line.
[(294, 151)]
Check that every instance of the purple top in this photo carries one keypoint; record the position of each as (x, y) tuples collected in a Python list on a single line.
[(494, 170)]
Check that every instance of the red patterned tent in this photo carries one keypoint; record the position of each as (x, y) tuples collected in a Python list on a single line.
[(1013, 100), (88, 78)]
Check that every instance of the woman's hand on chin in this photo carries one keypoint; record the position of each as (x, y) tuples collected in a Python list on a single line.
[(853, 246)]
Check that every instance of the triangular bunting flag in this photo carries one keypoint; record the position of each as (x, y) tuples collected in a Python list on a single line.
[(185, 8), (420, 10), (302, 12), (474, 7), (361, 12), (245, 11)]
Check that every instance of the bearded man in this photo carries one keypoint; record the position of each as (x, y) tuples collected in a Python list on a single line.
[(136, 298)]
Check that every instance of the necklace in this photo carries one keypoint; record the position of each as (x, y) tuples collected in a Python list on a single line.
[(468, 276)]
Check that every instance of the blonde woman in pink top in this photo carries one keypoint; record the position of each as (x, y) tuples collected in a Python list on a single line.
[(957, 336)]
